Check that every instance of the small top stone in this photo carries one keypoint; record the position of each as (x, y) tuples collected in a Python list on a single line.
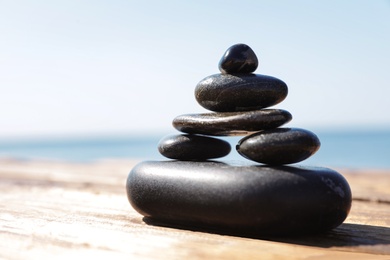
[(239, 58)]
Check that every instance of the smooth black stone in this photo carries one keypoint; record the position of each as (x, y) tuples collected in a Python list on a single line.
[(254, 198), (193, 147), (231, 123), (279, 146), (239, 58), (240, 92)]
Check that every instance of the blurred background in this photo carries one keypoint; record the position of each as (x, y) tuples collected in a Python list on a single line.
[(86, 80)]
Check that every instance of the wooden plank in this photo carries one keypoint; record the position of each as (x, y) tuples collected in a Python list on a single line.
[(60, 210)]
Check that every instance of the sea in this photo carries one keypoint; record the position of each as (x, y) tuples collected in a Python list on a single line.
[(340, 149)]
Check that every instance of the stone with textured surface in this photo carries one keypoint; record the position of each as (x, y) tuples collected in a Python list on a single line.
[(279, 146), (240, 92), (193, 147), (260, 199), (239, 58), (231, 123)]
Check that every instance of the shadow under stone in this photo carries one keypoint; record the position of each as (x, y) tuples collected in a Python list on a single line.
[(345, 235)]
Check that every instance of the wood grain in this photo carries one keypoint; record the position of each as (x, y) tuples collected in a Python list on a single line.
[(61, 210)]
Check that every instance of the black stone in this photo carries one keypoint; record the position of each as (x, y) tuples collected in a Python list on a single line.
[(239, 58), (231, 123), (241, 92), (254, 198), (193, 147), (279, 146)]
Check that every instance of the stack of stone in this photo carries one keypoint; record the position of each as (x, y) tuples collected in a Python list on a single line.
[(238, 99), (232, 197)]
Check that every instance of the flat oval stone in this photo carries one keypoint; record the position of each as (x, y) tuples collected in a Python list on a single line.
[(252, 198), (239, 58), (279, 146), (193, 147), (241, 92), (231, 123)]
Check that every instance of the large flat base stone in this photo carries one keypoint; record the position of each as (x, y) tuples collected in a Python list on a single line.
[(261, 199)]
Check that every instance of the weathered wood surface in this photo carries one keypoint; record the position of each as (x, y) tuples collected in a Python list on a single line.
[(60, 210)]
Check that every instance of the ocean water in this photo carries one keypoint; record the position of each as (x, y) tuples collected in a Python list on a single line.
[(365, 149)]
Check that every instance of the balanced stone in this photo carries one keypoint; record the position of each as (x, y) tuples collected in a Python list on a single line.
[(231, 123), (253, 198), (240, 92), (239, 58), (279, 146), (193, 147)]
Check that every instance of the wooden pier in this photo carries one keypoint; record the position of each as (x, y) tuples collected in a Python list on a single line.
[(63, 210)]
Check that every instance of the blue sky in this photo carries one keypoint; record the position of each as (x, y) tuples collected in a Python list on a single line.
[(128, 67)]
